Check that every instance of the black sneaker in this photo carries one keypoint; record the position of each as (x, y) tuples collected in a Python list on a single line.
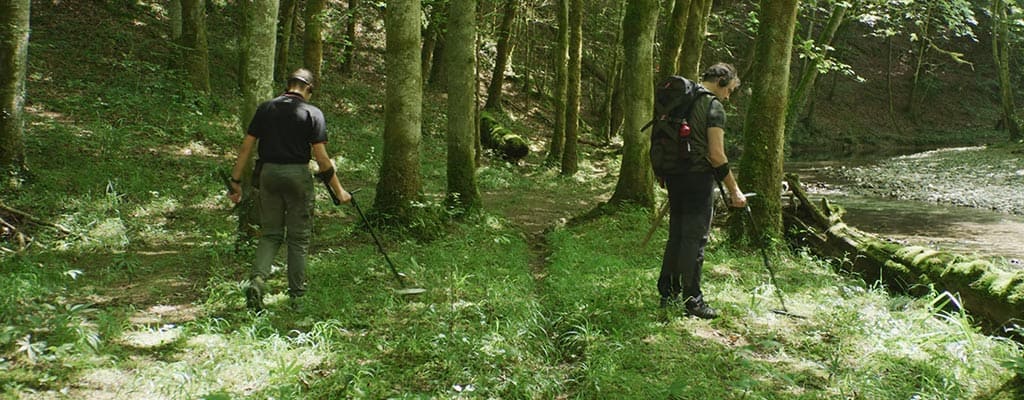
[(254, 294), (700, 309)]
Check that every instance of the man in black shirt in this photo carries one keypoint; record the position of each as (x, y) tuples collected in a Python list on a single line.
[(690, 196), (287, 132)]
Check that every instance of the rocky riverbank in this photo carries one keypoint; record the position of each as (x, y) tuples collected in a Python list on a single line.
[(989, 177)]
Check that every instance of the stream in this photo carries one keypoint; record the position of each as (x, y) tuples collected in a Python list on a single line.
[(963, 230)]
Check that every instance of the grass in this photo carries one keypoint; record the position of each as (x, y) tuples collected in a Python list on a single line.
[(143, 298)]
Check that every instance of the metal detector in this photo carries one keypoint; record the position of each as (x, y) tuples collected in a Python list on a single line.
[(764, 254), (402, 290)]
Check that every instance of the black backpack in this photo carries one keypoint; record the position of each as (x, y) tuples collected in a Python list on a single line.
[(674, 99)]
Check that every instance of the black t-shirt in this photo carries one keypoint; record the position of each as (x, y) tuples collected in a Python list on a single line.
[(286, 126), (706, 114)]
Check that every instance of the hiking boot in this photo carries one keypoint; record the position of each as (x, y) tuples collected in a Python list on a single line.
[(698, 308), (254, 294)]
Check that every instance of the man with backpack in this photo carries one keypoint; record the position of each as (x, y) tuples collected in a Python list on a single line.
[(287, 132), (688, 157)]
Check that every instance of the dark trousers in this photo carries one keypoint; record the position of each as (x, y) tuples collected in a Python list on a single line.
[(691, 205), (286, 211)]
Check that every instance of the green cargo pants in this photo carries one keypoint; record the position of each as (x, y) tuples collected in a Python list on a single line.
[(286, 201)]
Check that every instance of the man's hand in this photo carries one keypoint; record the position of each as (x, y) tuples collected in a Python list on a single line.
[(737, 199), (236, 193), (345, 196)]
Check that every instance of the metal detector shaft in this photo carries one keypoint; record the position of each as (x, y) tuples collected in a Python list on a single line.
[(655, 224), (380, 247), (764, 252)]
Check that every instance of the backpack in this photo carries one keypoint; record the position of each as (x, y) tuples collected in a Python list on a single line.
[(674, 99)]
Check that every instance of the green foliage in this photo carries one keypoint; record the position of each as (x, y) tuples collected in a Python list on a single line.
[(142, 299)]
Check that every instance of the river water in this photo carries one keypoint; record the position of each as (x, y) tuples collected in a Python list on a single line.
[(964, 230)]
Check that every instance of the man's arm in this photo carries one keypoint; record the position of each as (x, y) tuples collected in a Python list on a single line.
[(717, 157), (244, 153), (325, 164)]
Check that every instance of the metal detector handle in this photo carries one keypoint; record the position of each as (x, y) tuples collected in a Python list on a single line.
[(334, 197)]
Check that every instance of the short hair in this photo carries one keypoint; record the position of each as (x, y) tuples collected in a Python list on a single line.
[(723, 73), (301, 76)]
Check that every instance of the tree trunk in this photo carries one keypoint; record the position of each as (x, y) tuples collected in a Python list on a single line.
[(494, 90), (259, 41), (573, 89), (193, 43), (313, 40), (436, 67), (399, 183), (1001, 55), (348, 52), (798, 101), (636, 181), (994, 296), (765, 124), (675, 30), (174, 15), (693, 43), (14, 17), (462, 189), (561, 67), (284, 38), (922, 51)]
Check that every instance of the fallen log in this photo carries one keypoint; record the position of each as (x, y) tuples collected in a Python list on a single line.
[(493, 135), (992, 295)]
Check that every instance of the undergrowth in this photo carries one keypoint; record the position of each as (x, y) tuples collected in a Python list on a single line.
[(141, 297)]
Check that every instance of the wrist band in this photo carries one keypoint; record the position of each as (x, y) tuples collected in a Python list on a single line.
[(721, 171)]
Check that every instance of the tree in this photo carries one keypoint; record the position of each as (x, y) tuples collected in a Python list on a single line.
[(348, 52), (817, 54), (636, 182), (501, 59), (174, 16), (259, 41), (194, 45), (399, 183), (313, 40), (675, 29), (693, 43), (461, 60), (1001, 54), (14, 17), (765, 124), (573, 89), (284, 37), (561, 67)]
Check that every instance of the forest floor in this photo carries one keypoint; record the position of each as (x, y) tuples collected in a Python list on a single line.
[(142, 297)]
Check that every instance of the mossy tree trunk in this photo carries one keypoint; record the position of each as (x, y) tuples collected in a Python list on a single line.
[(693, 41), (675, 29), (195, 50), (14, 17), (433, 32), (313, 39), (561, 67), (286, 26), (1001, 55), (993, 295), (504, 52), (259, 41), (636, 181), (461, 59), (174, 18), (804, 88), (764, 134), (399, 183), (570, 156), (348, 52)]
